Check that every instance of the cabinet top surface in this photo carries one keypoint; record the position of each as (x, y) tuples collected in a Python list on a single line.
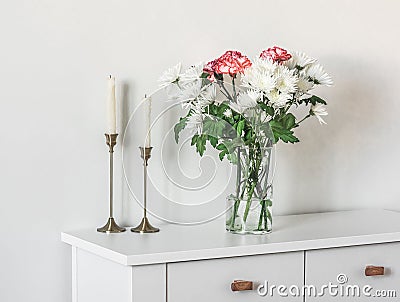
[(176, 243)]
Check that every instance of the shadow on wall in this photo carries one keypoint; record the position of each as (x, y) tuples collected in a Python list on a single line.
[(125, 108), (323, 172)]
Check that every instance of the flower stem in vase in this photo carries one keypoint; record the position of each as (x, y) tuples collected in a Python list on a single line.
[(249, 199), (235, 210), (266, 216), (262, 213), (237, 199)]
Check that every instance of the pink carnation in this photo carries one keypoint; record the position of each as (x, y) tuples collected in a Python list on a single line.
[(231, 62), (210, 67), (276, 54)]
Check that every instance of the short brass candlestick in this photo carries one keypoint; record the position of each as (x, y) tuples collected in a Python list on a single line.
[(111, 226), (145, 226)]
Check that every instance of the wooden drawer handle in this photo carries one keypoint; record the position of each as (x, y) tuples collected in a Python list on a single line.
[(241, 285), (371, 270)]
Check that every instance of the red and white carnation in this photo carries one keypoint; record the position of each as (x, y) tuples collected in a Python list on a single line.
[(276, 54)]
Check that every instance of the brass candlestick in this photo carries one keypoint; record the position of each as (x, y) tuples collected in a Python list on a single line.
[(145, 226), (111, 226)]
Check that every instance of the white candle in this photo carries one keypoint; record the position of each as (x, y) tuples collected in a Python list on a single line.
[(111, 107), (147, 113)]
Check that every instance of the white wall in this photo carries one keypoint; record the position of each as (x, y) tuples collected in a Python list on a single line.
[(55, 55)]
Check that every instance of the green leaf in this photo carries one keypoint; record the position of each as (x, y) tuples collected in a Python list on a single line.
[(209, 127), (248, 135), (232, 157), (194, 139), (221, 147), (288, 121), (222, 108), (213, 140), (268, 202), (179, 127), (314, 100), (268, 109), (240, 127), (280, 132), (201, 144), (213, 109), (220, 127), (219, 76), (222, 155), (288, 137)]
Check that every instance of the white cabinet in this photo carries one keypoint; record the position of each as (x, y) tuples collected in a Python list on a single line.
[(346, 268), (199, 263), (98, 279), (210, 280)]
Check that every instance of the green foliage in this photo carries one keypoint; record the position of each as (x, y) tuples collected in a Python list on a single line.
[(282, 132), (268, 202), (240, 127), (313, 100), (269, 215), (214, 127), (228, 148), (288, 121), (221, 155), (227, 132), (268, 109), (200, 142), (179, 127), (224, 150), (219, 77)]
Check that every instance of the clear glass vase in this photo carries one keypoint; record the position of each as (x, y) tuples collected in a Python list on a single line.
[(249, 208)]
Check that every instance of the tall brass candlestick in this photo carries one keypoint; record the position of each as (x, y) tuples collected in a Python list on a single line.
[(111, 226), (145, 226)]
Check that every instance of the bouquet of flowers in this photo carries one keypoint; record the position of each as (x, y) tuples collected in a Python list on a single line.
[(242, 108)]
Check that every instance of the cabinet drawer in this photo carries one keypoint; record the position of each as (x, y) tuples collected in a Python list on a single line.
[(210, 280), (346, 268)]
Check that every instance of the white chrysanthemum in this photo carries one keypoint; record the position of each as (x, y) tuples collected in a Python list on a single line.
[(264, 117), (195, 97), (174, 92), (236, 107), (304, 85), (264, 65), (286, 80), (191, 91), (318, 111), (170, 76), (246, 101), (261, 81), (260, 75), (299, 60), (186, 105), (195, 121), (208, 93), (199, 104), (191, 74), (228, 113), (254, 95), (278, 99), (317, 73)]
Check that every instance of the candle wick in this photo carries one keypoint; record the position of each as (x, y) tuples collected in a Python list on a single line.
[(110, 76)]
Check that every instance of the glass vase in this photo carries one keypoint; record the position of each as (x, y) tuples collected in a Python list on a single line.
[(249, 208)]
